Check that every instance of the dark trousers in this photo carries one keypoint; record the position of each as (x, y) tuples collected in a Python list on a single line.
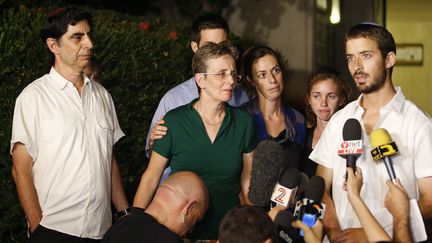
[(44, 235)]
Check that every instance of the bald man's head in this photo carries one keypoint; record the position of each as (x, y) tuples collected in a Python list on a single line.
[(180, 202), (188, 186)]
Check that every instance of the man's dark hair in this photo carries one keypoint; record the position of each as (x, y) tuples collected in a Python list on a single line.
[(375, 32), (208, 21), (247, 224), (57, 22)]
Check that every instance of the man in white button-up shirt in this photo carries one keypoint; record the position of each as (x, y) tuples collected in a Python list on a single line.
[(371, 55), (64, 129)]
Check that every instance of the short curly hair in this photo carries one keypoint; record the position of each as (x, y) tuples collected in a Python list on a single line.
[(320, 74)]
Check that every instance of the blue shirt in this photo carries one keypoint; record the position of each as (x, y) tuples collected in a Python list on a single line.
[(183, 94), (295, 124)]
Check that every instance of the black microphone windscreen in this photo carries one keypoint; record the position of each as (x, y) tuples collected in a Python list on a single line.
[(352, 130), (293, 154), (267, 161), (290, 178), (304, 181), (315, 189), (284, 218)]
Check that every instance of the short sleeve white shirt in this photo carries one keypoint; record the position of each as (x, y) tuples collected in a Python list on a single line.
[(409, 127), (70, 138)]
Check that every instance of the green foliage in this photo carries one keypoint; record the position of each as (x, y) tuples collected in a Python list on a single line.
[(140, 59), (138, 65), (20, 62)]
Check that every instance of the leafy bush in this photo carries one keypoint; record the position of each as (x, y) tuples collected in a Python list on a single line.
[(140, 59)]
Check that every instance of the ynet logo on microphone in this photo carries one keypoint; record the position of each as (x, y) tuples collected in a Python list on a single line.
[(350, 147)]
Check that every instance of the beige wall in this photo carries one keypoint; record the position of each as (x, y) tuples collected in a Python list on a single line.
[(283, 25), (411, 22), (286, 26)]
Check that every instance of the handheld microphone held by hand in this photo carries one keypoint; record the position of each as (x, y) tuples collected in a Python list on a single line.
[(383, 147), (285, 190), (352, 146), (310, 208)]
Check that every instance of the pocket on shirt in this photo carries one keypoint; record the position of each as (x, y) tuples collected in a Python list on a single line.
[(104, 122), (105, 129)]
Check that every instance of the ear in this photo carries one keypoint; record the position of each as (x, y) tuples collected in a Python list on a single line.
[(52, 45), (342, 101), (390, 59), (268, 241), (200, 80), (191, 206), (308, 99), (194, 46)]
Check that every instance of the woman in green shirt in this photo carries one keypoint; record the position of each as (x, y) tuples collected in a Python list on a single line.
[(208, 137)]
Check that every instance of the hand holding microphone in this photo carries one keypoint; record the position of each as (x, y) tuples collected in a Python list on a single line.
[(353, 183), (311, 234), (309, 209), (288, 227), (383, 148), (397, 201)]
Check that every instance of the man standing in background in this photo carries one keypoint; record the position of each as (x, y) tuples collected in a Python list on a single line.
[(64, 130)]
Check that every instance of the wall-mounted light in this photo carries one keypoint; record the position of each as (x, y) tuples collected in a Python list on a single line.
[(335, 12)]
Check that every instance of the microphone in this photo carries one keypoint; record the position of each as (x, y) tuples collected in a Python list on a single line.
[(285, 190), (384, 147), (284, 229), (304, 181), (267, 163), (352, 146), (309, 209)]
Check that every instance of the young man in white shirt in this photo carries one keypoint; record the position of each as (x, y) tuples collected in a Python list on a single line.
[(371, 55)]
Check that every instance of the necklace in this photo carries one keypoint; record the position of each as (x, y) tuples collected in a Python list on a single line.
[(212, 124), (205, 119)]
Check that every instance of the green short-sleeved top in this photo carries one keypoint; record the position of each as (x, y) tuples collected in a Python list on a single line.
[(219, 164)]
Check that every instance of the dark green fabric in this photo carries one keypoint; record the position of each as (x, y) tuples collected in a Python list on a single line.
[(219, 165)]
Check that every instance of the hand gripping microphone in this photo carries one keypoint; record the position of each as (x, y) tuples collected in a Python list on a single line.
[(352, 146), (286, 189), (309, 209), (383, 147)]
